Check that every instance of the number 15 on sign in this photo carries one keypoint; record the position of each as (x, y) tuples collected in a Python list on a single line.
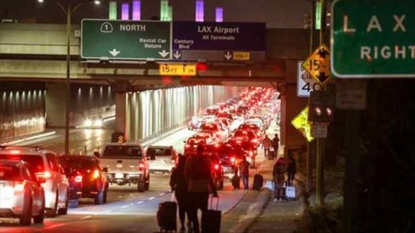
[(318, 65)]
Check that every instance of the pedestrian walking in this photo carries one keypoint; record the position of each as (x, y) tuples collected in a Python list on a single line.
[(179, 186), (291, 169), (279, 178), (198, 172), (244, 172), (266, 143), (275, 142)]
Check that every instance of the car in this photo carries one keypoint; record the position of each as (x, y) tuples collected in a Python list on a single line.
[(45, 164), (218, 128), (88, 177), (194, 123), (161, 158), (208, 134), (126, 163), (228, 156), (21, 193), (191, 144), (217, 170)]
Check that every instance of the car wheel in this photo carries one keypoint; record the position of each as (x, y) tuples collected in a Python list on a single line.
[(41, 216), (26, 217), (53, 212), (64, 211), (99, 198)]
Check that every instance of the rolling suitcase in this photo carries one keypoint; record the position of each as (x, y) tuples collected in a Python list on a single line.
[(166, 216), (236, 182), (290, 193), (211, 218), (258, 182)]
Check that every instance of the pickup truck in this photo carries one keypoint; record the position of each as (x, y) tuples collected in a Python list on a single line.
[(126, 163)]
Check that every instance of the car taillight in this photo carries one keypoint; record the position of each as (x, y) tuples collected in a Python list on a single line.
[(44, 175), (187, 145), (95, 175), (216, 166), (78, 179), (233, 159), (254, 140)]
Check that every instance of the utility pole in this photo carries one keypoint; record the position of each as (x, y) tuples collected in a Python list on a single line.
[(320, 142), (309, 163)]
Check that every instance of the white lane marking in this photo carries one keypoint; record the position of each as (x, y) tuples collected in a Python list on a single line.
[(54, 226), (123, 207), (86, 217), (162, 194), (151, 198), (139, 202)]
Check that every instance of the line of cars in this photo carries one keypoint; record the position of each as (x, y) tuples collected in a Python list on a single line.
[(232, 130), (32, 184), (36, 183)]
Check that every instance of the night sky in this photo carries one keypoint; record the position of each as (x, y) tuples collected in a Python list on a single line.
[(275, 13)]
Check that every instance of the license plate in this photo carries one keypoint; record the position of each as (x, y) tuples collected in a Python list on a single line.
[(119, 175)]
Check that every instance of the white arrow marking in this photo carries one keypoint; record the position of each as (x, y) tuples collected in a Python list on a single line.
[(114, 52), (164, 53), (228, 55), (177, 55)]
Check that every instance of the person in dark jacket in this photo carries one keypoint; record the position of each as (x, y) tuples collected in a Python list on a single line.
[(291, 170), (279, 178), (179, 186), (198, 172)]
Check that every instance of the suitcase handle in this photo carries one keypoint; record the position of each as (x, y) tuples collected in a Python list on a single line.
[(211, 203)]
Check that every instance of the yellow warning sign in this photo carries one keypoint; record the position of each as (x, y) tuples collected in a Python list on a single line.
[(318, 64), (300, 122)]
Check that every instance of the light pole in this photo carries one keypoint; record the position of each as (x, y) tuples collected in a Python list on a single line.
[(69, 9)]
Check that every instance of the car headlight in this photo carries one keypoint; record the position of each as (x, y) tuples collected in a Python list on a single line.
[(98, 123), (87, 123)]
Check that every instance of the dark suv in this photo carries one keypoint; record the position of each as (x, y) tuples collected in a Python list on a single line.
[(228, 157), (86, 177)]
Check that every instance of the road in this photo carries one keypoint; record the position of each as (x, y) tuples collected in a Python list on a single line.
[(126, 209)]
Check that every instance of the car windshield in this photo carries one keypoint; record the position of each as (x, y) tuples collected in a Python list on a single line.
[(35, 161), (8, 172), (122, 151), (159, 151)]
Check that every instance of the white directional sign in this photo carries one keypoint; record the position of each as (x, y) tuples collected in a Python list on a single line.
[(305, 84)]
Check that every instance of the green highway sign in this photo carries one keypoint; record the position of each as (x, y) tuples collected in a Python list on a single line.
[(373, 39), (126, 40)]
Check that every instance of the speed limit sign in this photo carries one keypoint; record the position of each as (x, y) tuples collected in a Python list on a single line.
[(305, 84)]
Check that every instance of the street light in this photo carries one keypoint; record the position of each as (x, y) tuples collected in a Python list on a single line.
[(69, 10)]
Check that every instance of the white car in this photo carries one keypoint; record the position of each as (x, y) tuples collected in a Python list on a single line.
[(21, 194), (161, 158), (45, 164)]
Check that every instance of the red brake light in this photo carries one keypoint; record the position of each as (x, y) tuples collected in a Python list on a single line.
[(216, 166), (78, 179), (232, 159), (44, 175), (187, 146), (254, 140)]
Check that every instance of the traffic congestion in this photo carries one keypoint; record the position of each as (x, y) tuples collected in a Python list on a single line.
[(54, 185)]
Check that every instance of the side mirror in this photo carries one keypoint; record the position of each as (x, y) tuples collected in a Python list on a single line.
[(105, 169)]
